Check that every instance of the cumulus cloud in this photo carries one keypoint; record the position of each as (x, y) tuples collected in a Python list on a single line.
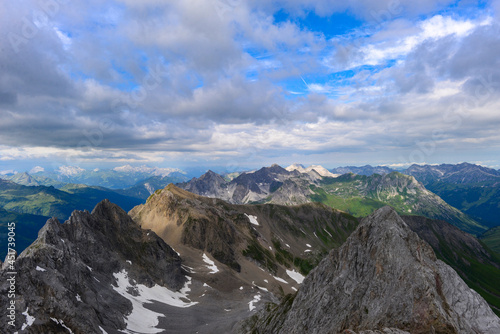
[(146, 81)]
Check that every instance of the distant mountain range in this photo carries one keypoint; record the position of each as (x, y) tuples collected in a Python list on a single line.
[(463, 173), (357, 194), (473, 189), (117, 178), (364, 170), (52, 202)]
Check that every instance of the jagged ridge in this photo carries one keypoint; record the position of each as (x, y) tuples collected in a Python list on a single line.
[(384, 276)]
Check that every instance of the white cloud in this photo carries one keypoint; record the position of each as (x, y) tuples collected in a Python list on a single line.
[(36, 169), (378, 51), (224, 85)]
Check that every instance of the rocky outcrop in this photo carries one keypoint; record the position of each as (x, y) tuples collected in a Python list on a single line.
[(383, 279), (470, 258), (68, 280), (209, 184)]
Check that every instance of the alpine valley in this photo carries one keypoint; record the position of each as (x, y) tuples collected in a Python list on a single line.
[(273, 250)]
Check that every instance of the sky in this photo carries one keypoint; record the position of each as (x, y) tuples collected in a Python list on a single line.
[(236, 83)]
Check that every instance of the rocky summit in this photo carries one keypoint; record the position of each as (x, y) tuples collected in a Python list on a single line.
[(384, 279), (90, 274)]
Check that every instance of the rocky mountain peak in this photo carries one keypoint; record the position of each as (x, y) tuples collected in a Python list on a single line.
[(73, 274), (275, 168), (384, 276), (210, 174)]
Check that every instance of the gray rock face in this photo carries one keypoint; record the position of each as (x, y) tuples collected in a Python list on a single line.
[(283, 186), (65, 278), (463, 252), (383, 279)]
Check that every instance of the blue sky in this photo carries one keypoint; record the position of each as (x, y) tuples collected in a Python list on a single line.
[(235, 83)]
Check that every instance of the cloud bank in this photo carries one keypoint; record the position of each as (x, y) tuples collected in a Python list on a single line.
[(234, 81)]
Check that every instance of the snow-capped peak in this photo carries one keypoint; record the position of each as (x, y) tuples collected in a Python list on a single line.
[(70, 170), (297, 167), (322, 171), (146, 169), (319, 169)]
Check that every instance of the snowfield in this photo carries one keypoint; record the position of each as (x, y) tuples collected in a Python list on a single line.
[(253, 219), (297, 277), (142, 320), (210, 264)]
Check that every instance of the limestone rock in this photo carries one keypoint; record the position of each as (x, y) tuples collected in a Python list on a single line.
[(384, 279)]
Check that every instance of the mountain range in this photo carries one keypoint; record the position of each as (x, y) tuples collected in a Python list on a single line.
[(116, 178), (183, 263), (363, 170), (358, 195), (473, 189)]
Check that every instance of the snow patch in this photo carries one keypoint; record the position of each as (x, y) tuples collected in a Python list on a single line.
[(179, 254), (308, 245), (256, 299), (70, 170), (266, 281), (241, 288), (253, 219), (129, 262), (307, 250), (279, 279), (89, 268), (142, 320), (29, 319), (60, 322), (102, 330), (211, 264), (294, 288), (328, 232), (78, 297), (40, 268), (188, 269), (287, 245), (297, 277)]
